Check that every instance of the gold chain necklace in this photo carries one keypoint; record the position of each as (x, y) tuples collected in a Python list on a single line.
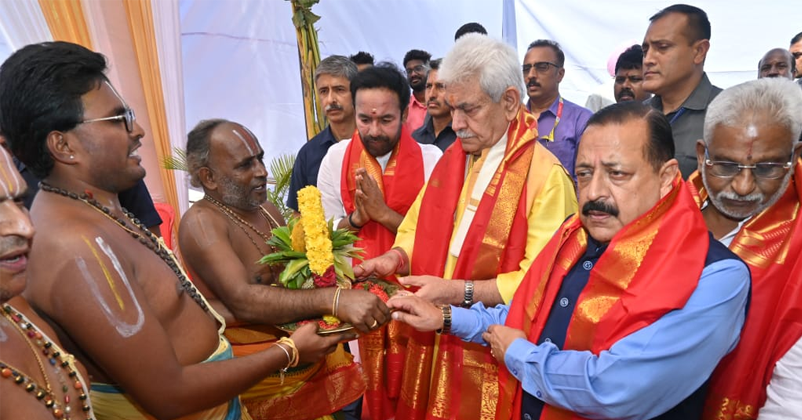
[(58, 358), (242, 223)]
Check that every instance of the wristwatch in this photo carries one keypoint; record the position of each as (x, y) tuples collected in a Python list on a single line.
[(467, 301), (446, 320)]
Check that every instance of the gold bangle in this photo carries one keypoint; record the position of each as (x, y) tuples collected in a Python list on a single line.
[(295, 356), (335, 304)]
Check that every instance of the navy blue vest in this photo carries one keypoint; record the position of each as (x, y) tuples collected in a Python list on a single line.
[(556, 327)]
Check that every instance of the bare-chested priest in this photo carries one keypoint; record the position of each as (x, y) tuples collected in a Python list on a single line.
[(114, 295), (223, 236), (27, 343)]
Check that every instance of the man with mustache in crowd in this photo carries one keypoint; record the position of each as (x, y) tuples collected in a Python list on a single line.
[(436, 128), (604, 326), (21, 329), (333, 85), (629, 76), (560, 122), (416, 65), (367, 185), (222, 238), (675, 48), (749, 186), (778, 62), (117, 296), (492, 203)]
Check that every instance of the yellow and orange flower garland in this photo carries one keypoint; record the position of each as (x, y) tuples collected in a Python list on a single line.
[(316, 230), (313, 253)]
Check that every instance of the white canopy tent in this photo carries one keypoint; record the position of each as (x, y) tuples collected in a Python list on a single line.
[(239, 58)]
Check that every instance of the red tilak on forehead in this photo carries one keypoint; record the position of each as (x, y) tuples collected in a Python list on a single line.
[(373, 111), (749, 148)]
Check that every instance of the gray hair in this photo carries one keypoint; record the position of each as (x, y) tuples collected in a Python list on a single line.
[(780, 98), (198, 148), (493, 62), (337, 66)]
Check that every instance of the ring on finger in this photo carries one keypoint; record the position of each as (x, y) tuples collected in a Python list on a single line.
[(375, 323)]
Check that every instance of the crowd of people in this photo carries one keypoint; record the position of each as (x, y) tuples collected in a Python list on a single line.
[(637, 261)]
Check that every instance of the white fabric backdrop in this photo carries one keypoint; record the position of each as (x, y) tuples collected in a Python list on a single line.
[(166, 19), (240, 58)]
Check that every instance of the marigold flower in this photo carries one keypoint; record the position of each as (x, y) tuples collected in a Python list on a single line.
[(316, 230), (297, 236)]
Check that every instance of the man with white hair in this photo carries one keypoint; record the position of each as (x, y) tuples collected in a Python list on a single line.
[(488, 209), (749, 186)]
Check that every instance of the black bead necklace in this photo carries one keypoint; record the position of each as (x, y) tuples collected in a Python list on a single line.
[(57, 358), (142, 234)]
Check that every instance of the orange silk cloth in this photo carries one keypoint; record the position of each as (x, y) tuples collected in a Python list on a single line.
[(308, 392), (634, 283), (770, 243), (459, 380), (383, 350)]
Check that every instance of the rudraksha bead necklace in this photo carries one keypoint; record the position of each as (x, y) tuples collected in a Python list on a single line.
[(142, 234)]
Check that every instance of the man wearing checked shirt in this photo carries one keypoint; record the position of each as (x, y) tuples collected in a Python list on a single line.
[(560, 122)]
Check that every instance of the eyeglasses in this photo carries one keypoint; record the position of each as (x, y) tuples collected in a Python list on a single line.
[(420, 68), (764, 170), (540, 67), (127, 116)]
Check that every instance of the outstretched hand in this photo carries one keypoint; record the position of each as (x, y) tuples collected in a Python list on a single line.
[(418, 313), (362, 309), (382, 266), (313, 347), (435, 289), (499, 337)]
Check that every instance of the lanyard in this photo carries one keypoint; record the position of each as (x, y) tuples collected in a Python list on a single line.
[(550, 137), (674, 118)]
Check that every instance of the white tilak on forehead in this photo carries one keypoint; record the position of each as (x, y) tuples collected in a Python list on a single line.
[(751, 130), (245, 142), (7, 172)]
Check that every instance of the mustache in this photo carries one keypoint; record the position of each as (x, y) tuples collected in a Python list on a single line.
[(376, 139), (599, 206), (333, 106), (12, 243), (532, 82), (465, 134), (625, 90), (751, 198)]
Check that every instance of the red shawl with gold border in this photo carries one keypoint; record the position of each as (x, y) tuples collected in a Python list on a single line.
[(770, 243), (460, 379), (633, 284), (383, 350)]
